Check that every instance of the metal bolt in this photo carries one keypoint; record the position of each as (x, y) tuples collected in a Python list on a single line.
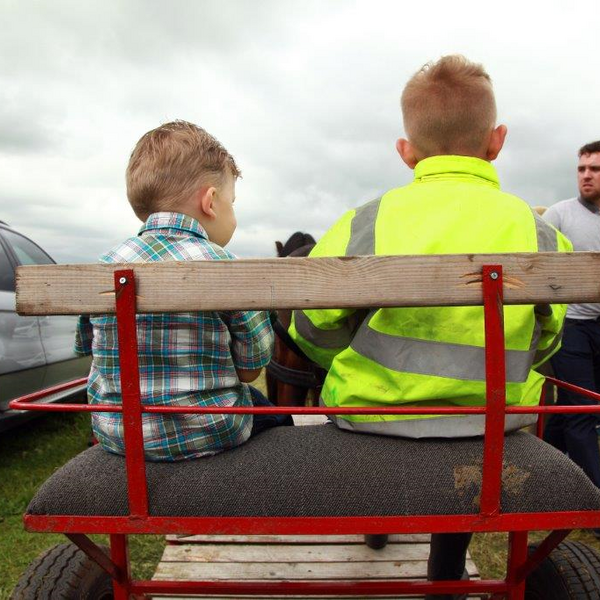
[(494, 275), (123, 280)]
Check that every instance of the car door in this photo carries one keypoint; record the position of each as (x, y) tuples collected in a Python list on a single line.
[(22, 358), (57, 333)]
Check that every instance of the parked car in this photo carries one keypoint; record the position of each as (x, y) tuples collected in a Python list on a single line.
[(35, 352)]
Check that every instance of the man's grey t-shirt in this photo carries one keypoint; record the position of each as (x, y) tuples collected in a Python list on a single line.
[(580, 222)]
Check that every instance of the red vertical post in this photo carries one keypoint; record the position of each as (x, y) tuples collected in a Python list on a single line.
[(495, 379), (517, 555), (119, 554), (130, 393), (539, 426)]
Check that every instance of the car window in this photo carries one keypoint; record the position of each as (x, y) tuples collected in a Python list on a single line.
[(7, 275), (26, 251)]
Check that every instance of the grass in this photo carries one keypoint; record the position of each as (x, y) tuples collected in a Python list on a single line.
[(29, 455), (488, 550)]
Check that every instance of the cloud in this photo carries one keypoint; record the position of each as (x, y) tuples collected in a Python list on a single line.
[(305, 95), (20, 134)]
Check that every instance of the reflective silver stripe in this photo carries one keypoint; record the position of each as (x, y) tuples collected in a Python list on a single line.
[(442, 427), (547, 242), (439, 359), (535, 338), (546, 235), (542, 355), (322, 338), (362, 232)]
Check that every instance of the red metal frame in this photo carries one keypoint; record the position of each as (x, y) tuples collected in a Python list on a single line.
[(130, 393), (489, 518)]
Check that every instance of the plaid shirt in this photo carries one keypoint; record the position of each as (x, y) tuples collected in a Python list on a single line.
[(186, 359)]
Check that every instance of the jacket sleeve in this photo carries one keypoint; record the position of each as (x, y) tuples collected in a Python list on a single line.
[(550, 317), (324, 333)]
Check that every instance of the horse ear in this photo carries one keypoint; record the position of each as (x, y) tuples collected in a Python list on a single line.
[(279, 247)]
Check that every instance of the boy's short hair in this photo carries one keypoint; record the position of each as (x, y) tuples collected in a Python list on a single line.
[(449, 107), (170, 163), (590, 148)]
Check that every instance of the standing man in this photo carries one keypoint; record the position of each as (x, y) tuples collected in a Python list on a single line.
[(578, 360)]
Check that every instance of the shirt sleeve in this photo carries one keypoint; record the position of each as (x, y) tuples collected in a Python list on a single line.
[(324, 333), (84, 335), (251, 338), (552, 216)]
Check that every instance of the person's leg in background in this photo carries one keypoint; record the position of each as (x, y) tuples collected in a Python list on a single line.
[(576, 434), (447, 559)]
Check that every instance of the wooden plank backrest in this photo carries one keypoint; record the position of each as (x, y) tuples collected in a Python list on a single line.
[(346, 282)]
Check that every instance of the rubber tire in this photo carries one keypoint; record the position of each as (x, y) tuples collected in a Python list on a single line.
[(64, 572), (570, 572)]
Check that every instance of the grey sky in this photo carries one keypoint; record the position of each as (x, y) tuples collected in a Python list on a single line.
[(305, 95)]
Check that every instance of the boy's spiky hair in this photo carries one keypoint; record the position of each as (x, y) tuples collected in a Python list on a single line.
[(449, 107), (170, 163)]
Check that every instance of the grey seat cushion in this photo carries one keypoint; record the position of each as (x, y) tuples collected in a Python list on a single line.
[(322, 471)]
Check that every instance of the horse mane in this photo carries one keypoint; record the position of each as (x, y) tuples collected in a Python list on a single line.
[(297, 241)]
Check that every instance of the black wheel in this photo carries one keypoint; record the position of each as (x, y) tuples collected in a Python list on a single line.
[(571, 572), (64, 572)]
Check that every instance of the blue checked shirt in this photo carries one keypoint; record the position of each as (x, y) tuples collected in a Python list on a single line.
[(186, 359)]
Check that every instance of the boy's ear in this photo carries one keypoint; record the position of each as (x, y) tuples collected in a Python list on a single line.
[(407, 153), (496, 142), (206, 198)]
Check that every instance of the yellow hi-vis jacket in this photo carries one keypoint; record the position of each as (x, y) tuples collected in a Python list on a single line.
[(434, 355)]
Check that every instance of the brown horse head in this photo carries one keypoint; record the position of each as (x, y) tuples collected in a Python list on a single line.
[(296, 241)]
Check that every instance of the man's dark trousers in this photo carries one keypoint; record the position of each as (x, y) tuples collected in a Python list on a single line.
[(577, 362)]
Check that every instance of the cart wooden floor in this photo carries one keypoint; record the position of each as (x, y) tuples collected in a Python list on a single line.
[(262, 558)]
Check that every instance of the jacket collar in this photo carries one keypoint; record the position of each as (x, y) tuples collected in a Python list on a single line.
[(451, 165)]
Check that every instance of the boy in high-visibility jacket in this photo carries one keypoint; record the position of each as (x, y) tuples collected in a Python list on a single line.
[(453, 206)]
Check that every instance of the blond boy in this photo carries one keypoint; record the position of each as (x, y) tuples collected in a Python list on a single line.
[(454, 205), (181, 184)]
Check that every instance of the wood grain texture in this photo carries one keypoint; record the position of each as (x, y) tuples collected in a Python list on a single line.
[(292, 553), (346, 282), (309, 558), (283, 571)]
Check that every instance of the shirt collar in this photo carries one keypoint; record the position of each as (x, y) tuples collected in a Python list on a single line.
[(589, 205), (173, 220), (436, 166)]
